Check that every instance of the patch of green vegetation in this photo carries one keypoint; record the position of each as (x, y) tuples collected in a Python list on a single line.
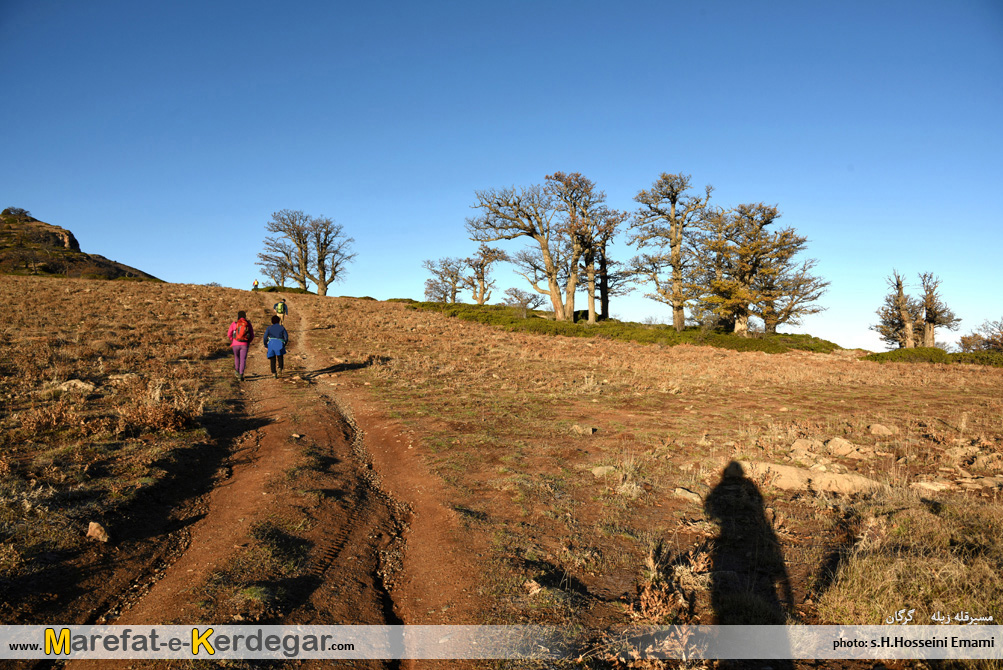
[(935, 355), (510, 318), (282, 289)]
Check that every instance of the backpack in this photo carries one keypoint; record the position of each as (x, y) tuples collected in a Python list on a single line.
[(280, 308), (241, 333)]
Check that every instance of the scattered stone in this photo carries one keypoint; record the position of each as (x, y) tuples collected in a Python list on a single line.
[(988, 462), (935, 486), (76, 385), (962, 454), (532, 587), (861, 453), (686, 494), (296, 436), (790, 478), (882, 431), (803, 444), (124, 378), (96, 531), (603, 470), (584, 430), (837, 446)]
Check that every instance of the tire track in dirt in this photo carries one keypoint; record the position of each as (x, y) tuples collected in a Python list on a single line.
[(356, 547)]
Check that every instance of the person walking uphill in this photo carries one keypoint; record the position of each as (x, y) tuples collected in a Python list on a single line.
[(281, 309), (276, 338), (240, 334)]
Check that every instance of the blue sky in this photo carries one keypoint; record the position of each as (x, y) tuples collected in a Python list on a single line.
[(165, 134)]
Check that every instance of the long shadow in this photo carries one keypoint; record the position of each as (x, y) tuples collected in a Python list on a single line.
[(144, 532), (310, 375), (748, 567)]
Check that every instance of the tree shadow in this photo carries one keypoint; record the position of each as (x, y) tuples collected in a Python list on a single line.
[(749, 581)]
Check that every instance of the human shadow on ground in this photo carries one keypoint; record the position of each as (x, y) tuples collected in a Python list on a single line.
[(749, 581)]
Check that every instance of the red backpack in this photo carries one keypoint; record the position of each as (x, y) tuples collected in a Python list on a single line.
[(243, 328)]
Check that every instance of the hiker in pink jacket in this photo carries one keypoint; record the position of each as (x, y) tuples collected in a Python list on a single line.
[(241, 334)]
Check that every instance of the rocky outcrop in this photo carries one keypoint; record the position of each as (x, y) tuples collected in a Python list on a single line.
[(30, 246)]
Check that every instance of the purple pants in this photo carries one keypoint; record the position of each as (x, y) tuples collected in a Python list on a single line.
[(239, 357)]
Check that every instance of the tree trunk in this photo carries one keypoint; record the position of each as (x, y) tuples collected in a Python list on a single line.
[(678, 299), (742, 324), (591, 272), (322, 288), (929, 339), (603, 287)]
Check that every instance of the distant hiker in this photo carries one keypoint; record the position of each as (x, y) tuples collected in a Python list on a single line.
[(276, 338), (241, 334), (281, 308), (254, 287)]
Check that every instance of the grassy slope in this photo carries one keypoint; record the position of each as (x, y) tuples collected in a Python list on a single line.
[(494, 412)]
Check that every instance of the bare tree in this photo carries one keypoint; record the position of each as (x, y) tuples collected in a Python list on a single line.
[(507, 214), (935, 312), (987, 337), (899, 316), (660, 223), (277, 272), (789, 291), (307, 249), (595, 265), (480, 264), (447, 277), (523, 300), (564, 217)]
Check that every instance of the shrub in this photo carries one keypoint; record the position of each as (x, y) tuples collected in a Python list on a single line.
[(913, 355), (511, 318)]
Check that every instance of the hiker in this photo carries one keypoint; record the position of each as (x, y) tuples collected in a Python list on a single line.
[(276, 338), (254, 286), (281, 309), (241, 334)]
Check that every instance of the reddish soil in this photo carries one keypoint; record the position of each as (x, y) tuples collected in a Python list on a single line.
[(385, 550)]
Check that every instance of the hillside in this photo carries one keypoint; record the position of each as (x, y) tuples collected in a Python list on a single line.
[(30, 246), (411, 467)]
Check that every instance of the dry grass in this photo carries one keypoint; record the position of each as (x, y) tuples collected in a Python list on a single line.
[(495, 412), (105, 387)]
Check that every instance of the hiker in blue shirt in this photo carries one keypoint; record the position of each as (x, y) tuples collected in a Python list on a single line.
[(275, 340), (281, 309)]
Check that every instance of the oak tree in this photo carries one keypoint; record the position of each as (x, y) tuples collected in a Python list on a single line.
[(479, 281), (447, 277), (308, 249)]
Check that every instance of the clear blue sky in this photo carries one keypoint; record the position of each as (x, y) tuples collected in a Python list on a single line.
[(165, 134)]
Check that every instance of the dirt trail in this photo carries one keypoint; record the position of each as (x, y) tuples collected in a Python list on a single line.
[(386, 549)]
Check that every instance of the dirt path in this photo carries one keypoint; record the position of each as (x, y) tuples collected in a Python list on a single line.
[(385, 548)]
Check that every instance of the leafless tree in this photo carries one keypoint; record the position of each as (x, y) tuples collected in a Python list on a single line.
[(523, 300), (564, 217), (479, 282), (510, 213), (447, 277), (660, 223), (987, 337), (789, 291), (307, 249)]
